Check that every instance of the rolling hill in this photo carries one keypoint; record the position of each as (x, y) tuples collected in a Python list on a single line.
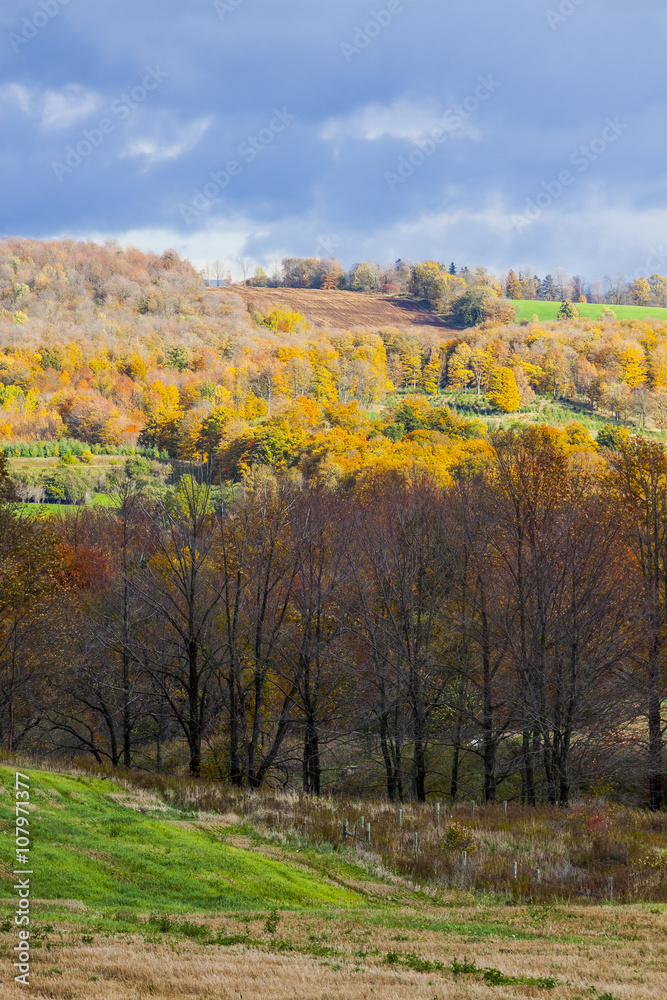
[(548, 311), (341, 310)]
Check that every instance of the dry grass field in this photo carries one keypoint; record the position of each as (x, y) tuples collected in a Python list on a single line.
[(404, 953), (340, 310)]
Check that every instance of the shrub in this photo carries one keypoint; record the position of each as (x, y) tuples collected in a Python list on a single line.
[(459, 838), (65, 485)]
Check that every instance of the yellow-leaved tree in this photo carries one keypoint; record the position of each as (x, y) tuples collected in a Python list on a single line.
[(504, 392), (459, 375), (633, 365), (658, 368), (430, 380)]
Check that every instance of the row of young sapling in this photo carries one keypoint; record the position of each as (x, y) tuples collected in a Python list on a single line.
[(361, 832)]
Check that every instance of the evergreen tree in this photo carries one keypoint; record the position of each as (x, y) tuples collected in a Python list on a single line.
[(548, 289), (7, 491), (568, 310)]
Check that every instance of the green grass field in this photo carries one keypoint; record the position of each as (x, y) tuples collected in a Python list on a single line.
[(92, 845), (60, 509), (546, 311)]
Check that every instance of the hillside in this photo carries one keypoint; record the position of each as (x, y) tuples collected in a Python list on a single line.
[(548, 311), (163, 890), (108, 351), (355, 310), (105, 844), (338, 309)]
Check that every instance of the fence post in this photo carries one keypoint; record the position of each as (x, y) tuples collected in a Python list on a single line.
[(368, 833), (504, 807), (464, 858), (362, 822), (400, 818), (538, 875), (472, 809), (515, 870), (610, 887), (437, 814)]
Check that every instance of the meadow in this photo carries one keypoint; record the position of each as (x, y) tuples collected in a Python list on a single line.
[(548, 311), (155, 886)]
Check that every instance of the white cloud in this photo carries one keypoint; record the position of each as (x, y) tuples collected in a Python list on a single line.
[(221, 239), (157, 148), (65, 107), (404, 119), (15, 94)]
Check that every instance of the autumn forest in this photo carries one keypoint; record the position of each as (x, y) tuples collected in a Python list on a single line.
[(241, 542)]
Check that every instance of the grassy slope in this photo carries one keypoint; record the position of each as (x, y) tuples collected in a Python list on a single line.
[(543, 410), (87, 846), (546, 311)]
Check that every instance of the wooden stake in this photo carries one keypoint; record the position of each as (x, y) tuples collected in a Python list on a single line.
[(400, 818)]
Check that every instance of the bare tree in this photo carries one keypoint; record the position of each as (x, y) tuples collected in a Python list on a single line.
[(404, 544), (258, 566), (220, 271), (181, 650), (639, 480), (245, 264), (313, 656)]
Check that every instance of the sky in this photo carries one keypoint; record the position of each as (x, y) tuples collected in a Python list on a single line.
[(523, 133)]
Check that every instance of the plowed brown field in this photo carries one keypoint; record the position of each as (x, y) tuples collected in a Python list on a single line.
[(341, 310)]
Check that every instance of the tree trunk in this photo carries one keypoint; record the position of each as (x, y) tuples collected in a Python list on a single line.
[(311, 759), (387, 757), (235, 774), (196, 704), (487, 708), (655, 740), (529, 774), (420, 769), (456, 752), (127, 717)]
